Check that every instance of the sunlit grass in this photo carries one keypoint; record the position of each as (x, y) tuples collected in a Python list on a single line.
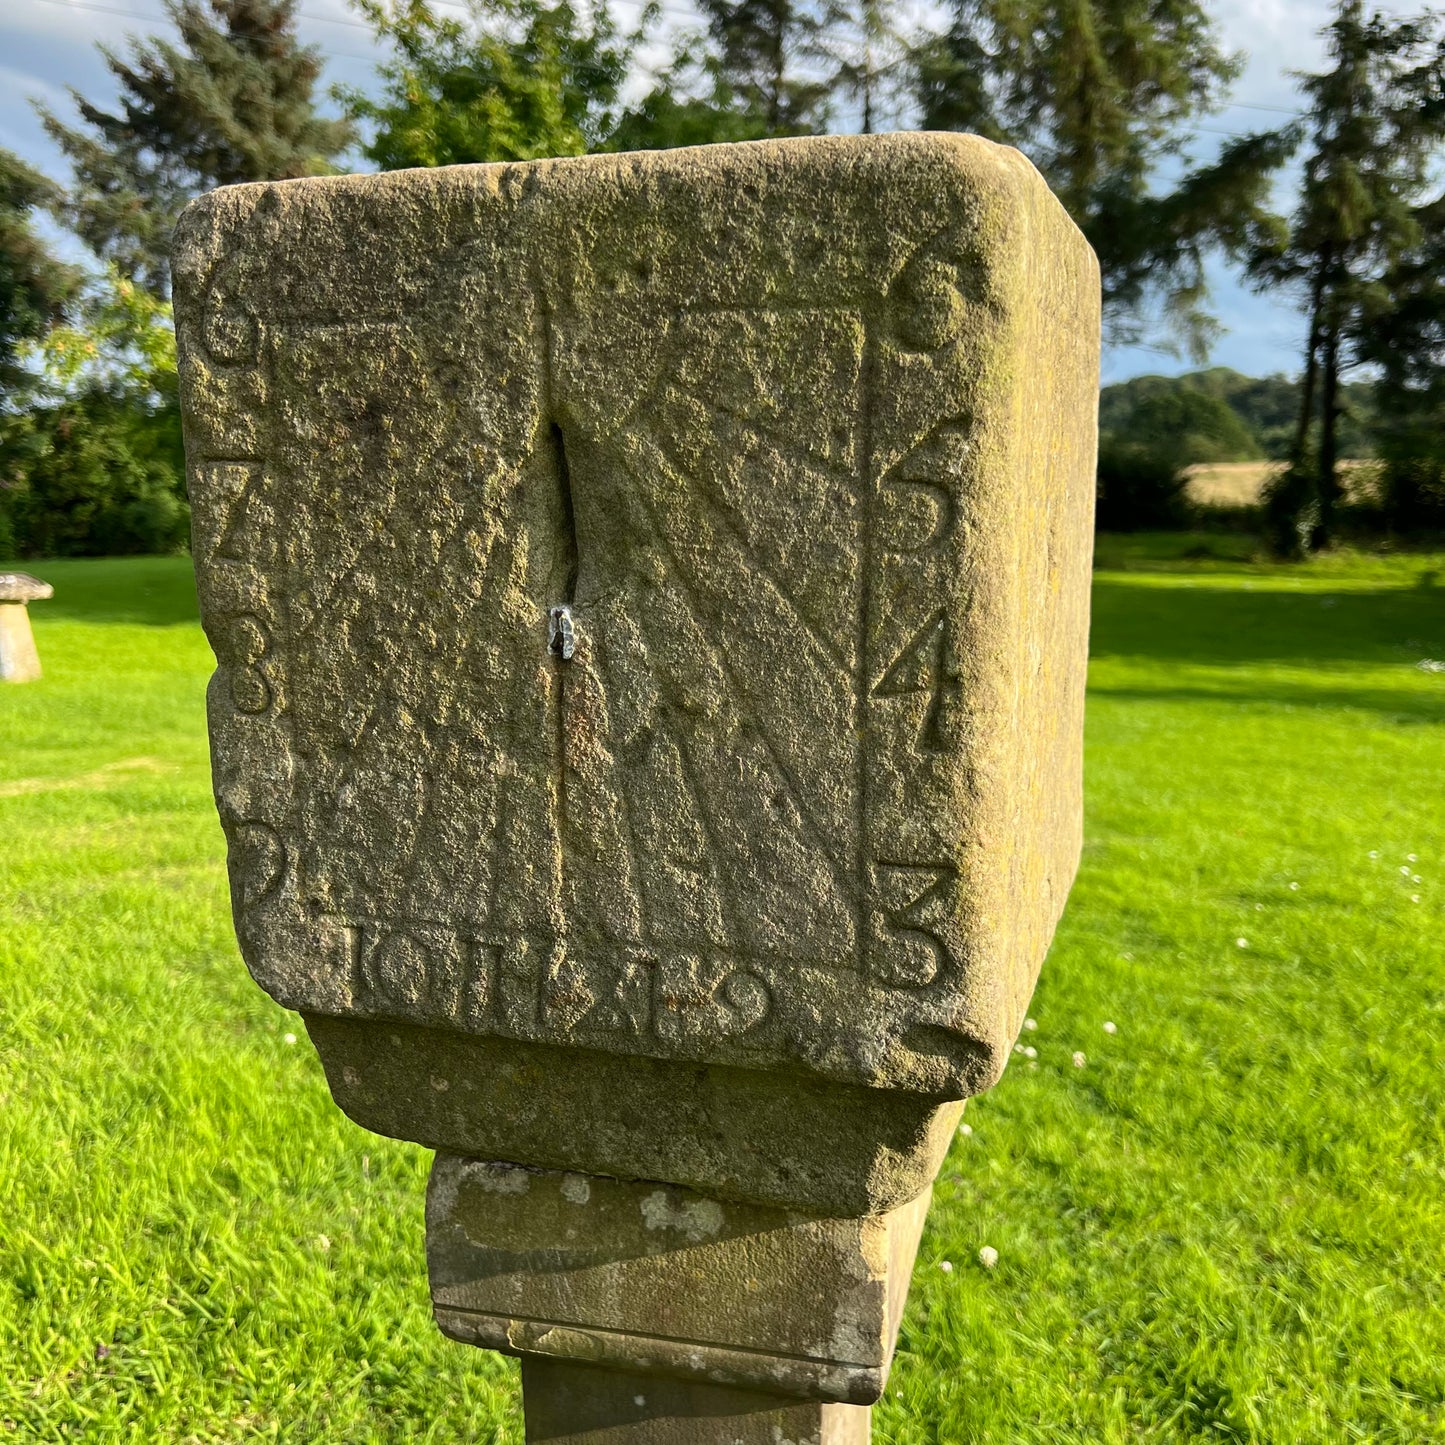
[(1229, 1224)]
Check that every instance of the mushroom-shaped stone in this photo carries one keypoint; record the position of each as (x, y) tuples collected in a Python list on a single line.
[(19, 661)]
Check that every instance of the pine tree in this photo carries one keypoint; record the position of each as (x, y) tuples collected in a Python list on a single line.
[(773, 56), (1102, 95), (871, 56), (512, 80), (35, 288), (1403, 338), (1374, 126), (232, 100)]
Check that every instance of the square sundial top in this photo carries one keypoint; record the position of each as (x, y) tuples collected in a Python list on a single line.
[(650, 595)]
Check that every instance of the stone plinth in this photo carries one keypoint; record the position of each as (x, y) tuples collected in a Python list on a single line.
[(650, 598), (19, 661), (650, 1278), (586, 1405)]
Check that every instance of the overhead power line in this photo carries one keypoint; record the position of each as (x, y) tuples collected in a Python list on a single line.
[(318, 19), (666, 9)]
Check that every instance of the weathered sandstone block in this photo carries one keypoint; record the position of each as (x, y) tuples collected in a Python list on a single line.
[(650, 599), (646, 1277)]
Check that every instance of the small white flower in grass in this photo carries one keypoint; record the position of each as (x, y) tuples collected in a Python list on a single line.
[(1080, 1058), (1031, 1024), (988, 1256), (1110, 1027), (966, 1130), (1127, 957), (1259, 907), (1414, 898), (322, 1243), (1412, 858), (946, 1265), (1374, 852), (289, 1038), (1405, 869), (1031, 1052), (1032, 1064), (1414, 878), (1294, 887), (1241, 943), (1018, 1048)]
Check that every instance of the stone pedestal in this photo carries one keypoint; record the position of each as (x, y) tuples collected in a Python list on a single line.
[(649, 1277), (650, 600), (663, 1314), (19, 661), (571, 1404)]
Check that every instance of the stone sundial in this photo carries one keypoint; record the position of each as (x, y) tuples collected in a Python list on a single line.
[(650, 601)]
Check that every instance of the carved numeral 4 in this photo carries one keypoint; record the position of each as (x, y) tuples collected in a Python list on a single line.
[(923, 666)]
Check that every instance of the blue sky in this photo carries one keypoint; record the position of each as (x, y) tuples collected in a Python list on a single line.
[(49, 45)]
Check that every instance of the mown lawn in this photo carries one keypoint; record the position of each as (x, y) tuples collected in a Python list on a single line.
[(1228, 1224)]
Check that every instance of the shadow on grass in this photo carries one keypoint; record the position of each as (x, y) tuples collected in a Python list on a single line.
[(1216, 625), (1390, 704), (144, 591)]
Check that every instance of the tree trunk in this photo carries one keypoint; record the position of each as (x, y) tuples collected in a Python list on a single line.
[(1311, 373), (775, 104), (867, 88), (1329, 486)]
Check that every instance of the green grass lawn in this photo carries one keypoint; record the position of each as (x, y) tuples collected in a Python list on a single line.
[(1228, 1224)]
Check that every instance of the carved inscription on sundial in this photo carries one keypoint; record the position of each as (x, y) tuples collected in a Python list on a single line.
[(615, 574)]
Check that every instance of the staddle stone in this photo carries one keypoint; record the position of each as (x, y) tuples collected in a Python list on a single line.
[(19, 661), (649, 595)]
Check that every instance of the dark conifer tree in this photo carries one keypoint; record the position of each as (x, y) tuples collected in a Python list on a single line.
[(1374, 127), (1103, 96), (231, 99), (772, 56), (35, 288)]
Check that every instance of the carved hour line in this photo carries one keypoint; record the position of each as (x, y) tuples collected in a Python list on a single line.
[(922, 666), (784, 444), (867, 506), (728, 518), (818, 833), (602, 662), (688, 769)]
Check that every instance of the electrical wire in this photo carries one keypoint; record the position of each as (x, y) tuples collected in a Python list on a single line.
[(691, 15)]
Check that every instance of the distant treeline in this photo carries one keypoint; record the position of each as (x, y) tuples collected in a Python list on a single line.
[(1106, 97), (1218, 415)]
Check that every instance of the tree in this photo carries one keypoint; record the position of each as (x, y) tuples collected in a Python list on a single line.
[(1404, 337), (871, 54), (35, 288), (1101, 94), (231, 102), (772, 54), (93, 463), (692, 103), (513, 80), (1374, 124)]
